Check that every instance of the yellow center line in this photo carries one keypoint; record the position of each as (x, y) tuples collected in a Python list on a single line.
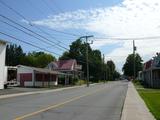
[(56, 105)]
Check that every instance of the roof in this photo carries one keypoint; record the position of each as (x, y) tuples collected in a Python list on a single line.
[(65, 64), (11, 67), (41, 70), (148, 64)]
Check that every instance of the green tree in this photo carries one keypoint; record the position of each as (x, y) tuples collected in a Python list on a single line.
[(96, 65), (111, 69), (128, 67), (38, 59), (78, 51), (14, 55), (65, 56), (116, 75), (97, 68)]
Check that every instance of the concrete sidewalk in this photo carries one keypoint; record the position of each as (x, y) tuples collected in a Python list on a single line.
[(134, 107)]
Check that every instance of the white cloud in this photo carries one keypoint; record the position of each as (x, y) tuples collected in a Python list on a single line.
[(98, 43), (131, 18)]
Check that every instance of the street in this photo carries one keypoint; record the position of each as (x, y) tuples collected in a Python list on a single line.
[(97, 102)]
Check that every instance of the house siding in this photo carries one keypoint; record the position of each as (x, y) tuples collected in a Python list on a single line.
[(31, 77), (25, 77), (2, 63)]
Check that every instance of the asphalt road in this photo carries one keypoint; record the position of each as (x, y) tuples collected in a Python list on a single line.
[(98, 102)]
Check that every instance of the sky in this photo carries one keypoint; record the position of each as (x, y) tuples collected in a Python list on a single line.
[(74, 18)]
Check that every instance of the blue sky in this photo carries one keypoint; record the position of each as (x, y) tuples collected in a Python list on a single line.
[(101, 18), (40, 9)]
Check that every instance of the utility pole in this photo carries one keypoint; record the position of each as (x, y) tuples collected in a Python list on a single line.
[(87, 66), (134, 62), (103, 68), (106, 73)]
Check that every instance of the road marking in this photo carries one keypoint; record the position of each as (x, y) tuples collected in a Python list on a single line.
[(56, 105)]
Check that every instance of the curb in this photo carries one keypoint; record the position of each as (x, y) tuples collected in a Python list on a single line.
[(123, 104), (38, 92), (43, 91)]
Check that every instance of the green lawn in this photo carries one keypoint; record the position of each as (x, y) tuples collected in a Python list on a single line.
[(152, 100)]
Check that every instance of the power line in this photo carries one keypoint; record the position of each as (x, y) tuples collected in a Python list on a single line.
[(30, 30), (114, 56), (60, 36), (42, 11), (27, 43), (3, 3), (48, 6), (23, 17), (67, 33), (127, 39), (29, 34), (50, 35), (58, 8)]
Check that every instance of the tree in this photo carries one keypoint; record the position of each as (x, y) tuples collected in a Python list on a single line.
[(97, 68), (78, 51), (14, 55), (65, 56), (96, 65), (38, 59), (116, 75), (111, 69), (128, 67)]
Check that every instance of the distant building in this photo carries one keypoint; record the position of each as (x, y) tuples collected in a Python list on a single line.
[(36, 77), (151, 72), (69, 67), (2, 63)]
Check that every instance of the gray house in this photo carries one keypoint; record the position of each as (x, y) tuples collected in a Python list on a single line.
[(151, 72)]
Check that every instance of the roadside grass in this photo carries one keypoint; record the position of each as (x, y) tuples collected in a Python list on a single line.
[(81, 82), (138, 84), (151, 98)]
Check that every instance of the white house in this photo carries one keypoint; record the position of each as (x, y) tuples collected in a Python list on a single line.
[(36, 77), (2, 63)]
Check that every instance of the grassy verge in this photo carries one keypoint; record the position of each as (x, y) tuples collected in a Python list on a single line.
[(151, 97), (152, 100), (138, 84), (81, 82)]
